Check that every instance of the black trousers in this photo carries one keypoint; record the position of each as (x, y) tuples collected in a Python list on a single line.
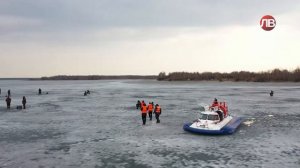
[(157, 117), (24, 106), (150, 115), (8, 105), (144, 116)]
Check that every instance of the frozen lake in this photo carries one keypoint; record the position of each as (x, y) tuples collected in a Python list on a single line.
[(66, 129)]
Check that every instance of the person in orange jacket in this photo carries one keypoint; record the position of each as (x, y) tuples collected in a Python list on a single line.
[(157, 111), (143, 103), (215, 103), (150, 110), (144, 113)]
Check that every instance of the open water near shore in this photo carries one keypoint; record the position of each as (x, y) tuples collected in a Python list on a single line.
[(66, 129)]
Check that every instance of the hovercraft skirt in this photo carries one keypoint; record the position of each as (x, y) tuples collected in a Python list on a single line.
[(227, 129)]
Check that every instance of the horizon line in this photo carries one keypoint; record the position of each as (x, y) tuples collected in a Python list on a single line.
[(261, 71)]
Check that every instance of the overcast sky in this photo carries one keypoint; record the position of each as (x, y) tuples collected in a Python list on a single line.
[(144, 37)]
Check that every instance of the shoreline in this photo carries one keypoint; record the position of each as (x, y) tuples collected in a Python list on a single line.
[(275, 75), (154, 79)]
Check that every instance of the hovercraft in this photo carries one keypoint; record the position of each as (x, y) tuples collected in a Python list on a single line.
[(214, 120)]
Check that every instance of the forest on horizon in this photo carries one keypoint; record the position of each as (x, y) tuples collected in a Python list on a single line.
[(275, 75), (97, 77)]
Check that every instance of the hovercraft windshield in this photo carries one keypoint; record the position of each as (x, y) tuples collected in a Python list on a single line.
[(209, 117)]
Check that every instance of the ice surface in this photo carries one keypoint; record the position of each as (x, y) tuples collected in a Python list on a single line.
[(66, 129)]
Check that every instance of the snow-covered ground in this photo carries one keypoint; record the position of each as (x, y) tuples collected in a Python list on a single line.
[(66, 129)]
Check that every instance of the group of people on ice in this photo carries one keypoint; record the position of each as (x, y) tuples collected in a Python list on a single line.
[(86, 92), (8, 99), (150, 108)]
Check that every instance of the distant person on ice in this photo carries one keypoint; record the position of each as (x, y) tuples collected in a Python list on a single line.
[(138, 104), (24, 102), (150, 110), (8, 101), (85, 93), (8, 93), (40, 91), (157, 111), (271, 93), (144, 113)]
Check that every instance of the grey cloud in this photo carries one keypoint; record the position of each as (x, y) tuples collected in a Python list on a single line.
[(82, 14), (77, 20)]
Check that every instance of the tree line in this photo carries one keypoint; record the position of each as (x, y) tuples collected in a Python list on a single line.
[(96, 77), (275, 75)]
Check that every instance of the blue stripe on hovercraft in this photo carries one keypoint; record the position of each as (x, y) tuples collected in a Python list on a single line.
[(227, 129)]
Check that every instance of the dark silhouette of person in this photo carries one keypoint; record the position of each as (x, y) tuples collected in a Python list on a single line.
[(85, 93), (40, 91), (88, 92), (8, 101), (24, 102), (271, 93), (138, 104), (8, 93)]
